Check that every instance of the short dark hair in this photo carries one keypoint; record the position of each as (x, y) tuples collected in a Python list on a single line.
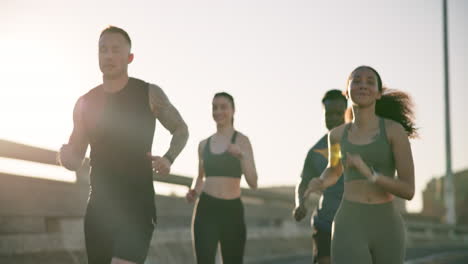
[(334, 94), (113, 29)]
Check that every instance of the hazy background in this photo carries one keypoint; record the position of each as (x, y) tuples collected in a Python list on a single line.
[(277, 58)]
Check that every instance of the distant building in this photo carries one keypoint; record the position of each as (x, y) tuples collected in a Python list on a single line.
[(433, 198)]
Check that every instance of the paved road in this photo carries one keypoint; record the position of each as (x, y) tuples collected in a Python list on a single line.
[(461, 260), (443, 255)]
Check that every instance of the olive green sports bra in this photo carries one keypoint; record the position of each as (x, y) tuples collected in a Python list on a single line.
[(377, 154)]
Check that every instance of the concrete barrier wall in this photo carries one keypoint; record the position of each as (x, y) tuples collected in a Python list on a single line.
[(41, 221), (168, 246), (27, 201)]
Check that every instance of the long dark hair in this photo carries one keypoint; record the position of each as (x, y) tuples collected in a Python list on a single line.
[(230, 99), (394, 104)]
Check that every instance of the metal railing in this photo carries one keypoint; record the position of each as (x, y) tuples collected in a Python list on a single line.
[(13, 150)]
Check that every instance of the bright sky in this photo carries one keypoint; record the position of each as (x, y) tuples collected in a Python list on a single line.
[(276, 57)]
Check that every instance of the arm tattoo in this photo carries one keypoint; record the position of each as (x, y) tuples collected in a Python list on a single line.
[(170, 118)]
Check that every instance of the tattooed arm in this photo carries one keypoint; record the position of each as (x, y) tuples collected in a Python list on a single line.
[(170, 118)]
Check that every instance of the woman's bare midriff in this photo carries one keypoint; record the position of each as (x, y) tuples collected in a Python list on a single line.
[(222, 187), (363, 191)]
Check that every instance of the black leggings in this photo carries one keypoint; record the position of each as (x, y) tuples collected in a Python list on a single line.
[(219, 220)]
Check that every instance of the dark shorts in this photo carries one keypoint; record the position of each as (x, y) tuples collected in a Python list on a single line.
[(322, 243), (110, 234)]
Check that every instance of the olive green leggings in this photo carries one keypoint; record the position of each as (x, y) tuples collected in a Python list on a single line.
[(368, 234)]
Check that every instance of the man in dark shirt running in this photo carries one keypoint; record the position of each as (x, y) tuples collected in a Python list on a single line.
[(334, 104), (117, 119)]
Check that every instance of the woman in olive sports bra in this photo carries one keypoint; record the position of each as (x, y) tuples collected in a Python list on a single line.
[(219, 213), (367, 228)]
